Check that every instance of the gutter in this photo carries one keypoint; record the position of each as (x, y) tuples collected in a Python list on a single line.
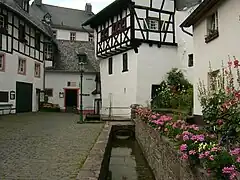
[(190, 34), (86, 30)]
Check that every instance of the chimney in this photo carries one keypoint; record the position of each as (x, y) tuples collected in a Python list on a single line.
[(88, 8), (38, 2)]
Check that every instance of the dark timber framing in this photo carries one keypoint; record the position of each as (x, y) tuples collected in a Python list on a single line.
[(26, 46), (124, 39)]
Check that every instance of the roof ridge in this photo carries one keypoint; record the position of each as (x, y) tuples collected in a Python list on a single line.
[(64, 7)]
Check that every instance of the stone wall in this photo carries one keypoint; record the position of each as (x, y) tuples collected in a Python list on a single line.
[(162, 156)]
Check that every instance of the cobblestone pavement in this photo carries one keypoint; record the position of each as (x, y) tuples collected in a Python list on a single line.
[(44, 146)]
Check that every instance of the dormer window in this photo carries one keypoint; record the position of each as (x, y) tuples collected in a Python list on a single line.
[(47, 18), (25, 5)]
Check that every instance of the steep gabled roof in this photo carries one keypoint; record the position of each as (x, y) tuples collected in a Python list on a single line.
[(199, 12), (111, 10), (13, 6), (61, 17)]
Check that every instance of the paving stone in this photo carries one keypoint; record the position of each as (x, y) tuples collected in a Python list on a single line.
[(44, 145)]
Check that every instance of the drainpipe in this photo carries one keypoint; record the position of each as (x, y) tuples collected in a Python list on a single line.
[(190, 34)]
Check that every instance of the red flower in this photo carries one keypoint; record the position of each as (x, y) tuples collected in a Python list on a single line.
[(236, 63), (220, 122), (229, 63)]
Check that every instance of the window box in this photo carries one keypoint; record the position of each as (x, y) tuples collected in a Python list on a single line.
[(211, 36)]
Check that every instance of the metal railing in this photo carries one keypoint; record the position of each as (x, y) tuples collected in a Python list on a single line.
[(115, 113)]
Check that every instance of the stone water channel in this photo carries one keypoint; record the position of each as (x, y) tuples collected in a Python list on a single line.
[(127, 161)]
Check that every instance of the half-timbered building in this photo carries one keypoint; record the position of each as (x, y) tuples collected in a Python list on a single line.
[(136, 43), (25, 42)]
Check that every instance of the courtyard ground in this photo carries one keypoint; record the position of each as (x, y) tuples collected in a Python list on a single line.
[(44, 145)]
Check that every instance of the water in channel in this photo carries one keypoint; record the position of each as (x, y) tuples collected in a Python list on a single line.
[(127, 162)]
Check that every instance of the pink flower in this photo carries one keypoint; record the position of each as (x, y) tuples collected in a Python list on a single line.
[(185, 137), (229, 63), (220, 122), (192, 152), (183, 147), (235, 151), (154, 116), (207, 153), (211, 158), (194, 138), (200, 137), (184, 156), (238, 159), (228, 170), (214, 149), (201, 156)]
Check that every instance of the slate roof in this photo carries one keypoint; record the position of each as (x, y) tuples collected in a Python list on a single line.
[(63, 18), (13, 6), (68, 59), (199, 12)]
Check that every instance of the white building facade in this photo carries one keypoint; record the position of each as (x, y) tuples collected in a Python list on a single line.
[(136, 45), (63, 75), (215, 33), (22, 52)]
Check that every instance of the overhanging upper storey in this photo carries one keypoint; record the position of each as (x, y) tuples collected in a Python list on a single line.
[(125, 24)]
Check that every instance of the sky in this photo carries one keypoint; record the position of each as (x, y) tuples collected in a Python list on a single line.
[(97, 5)]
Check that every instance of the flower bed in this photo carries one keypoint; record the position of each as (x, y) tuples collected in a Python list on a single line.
[(196, 147)]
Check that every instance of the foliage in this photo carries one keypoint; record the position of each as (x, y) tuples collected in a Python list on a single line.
[(196, 145), (221, 104), (175, 92)]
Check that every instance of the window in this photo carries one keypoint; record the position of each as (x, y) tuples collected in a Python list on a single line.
[(21, 34), (48, 51), (110, 66), (25, 5), (3, 24), (104, 34), (153, 24), (125, 62), (212, 27), (37, 40), (21, 66), (2, 21), (2, 62), (190, 60), (212, 23), (119, 26), (55, 34), (49, 92), (72, 36), (90, 38), (4, 96), (155, 92), (37, 70), (213, 80)]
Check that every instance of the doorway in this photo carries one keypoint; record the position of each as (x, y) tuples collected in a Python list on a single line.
[(71, 99), (24, 95)]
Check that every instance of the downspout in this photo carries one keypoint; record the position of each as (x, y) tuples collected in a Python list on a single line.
[(190, 34)]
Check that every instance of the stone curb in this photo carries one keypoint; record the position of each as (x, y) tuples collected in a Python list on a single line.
[(91, 169)]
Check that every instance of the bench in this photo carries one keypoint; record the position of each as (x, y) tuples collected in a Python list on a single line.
[(6, 107)]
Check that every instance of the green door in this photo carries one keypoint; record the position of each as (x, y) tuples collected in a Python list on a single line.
[(23, 97)]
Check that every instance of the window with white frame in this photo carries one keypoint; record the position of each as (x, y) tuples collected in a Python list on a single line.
[(152, 23), (212, 23), (2, 23), (72, 36), (37, 70), (21, 66), (214, 80), (2, 63), (48, 51), (90, 37)]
